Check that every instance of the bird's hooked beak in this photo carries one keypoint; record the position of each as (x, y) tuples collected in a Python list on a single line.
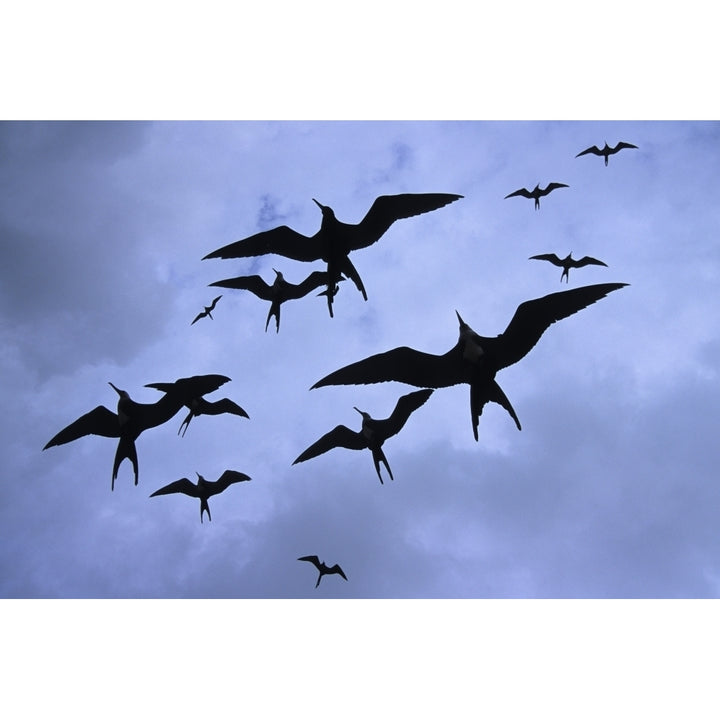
[(278, 273), (322, 207), (364, 414), (460, 320), (200, 477), (121, 393)]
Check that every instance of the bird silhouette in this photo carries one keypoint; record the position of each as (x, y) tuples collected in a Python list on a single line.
[(277, 293), (567, 262), (200, 406), (323, 568), (536, 193), (606, 151), (335, 240), (203, 489), (133, 418), (473, 359), (206, 312), (372, 434)]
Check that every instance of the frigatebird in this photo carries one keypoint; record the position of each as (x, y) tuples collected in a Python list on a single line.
[(200, 406), (473, 359), (372, 434), (323, 568), (132, 418), (206, 312), (536, 193), (203, 489), (607, 150), (277, 293), (567, 262), (335, 240)]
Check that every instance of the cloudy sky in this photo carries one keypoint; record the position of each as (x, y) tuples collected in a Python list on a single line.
[(609, 491)]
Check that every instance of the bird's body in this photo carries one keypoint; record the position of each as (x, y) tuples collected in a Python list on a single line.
[(203, 489), (277, 293), (133, 418), (372, 434), (607, 150), (567, 262), (323, 569), (207, 311), (474, 359), (200, 406), (335, 240), (536, 193)]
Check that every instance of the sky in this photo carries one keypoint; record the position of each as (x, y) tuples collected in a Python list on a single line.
[(607, 493)]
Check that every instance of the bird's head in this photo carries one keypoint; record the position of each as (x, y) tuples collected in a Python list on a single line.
[(278, 275), (201, 479), (122, 393), (327, 211), (366, 416)]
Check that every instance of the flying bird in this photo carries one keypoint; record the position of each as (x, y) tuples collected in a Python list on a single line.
[(203, 489), (206, 312), (373, 433), (335, 240), (277, 293), (567, 262), (536, 193), (474, 359), (132, 418), (200, 406), (323, 568), (607, 150)]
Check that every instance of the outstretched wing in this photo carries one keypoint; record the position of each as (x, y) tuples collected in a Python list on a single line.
[(587, 260), (228, 478), (534, 317), (406, 365), (314, 559), (225, 405), (337, 570), (278, 241), (405, 407), (183, 485), (254, 283), (550, 257), (198, 316), (622, 145), (595, 150), (552, 186), (314, 280), (340, 436), (191, 387), (388, 208), (521, 192), (99, 421)]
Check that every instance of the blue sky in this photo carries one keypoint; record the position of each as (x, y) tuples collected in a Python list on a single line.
[(608, 492)]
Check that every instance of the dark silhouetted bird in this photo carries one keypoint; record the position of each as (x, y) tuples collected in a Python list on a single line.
[(536, 193), (203, 489), (335, 240), (372, 434), (567, 262), (132, 418), (206, 312), (200, 406), (323, 568), (277, 293), (607, 150), (474, 359)]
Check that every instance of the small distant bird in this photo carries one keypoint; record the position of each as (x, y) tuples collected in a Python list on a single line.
[(567, 262), (607, 150), (474, 359), (277, 293), (133, 418), (200, 406), (372, 434), (536, 193), (335, 240), (203, 489), (323, 568), (206, 312)]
